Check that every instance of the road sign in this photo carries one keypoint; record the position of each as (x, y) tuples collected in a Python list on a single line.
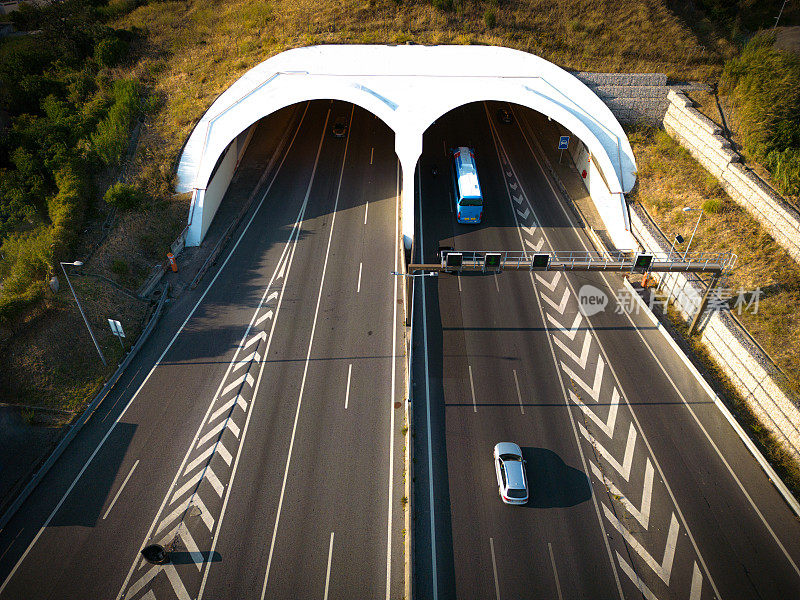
[(563, 142), (642, 262), (540, 261), (491, 261), (453, 260), (116, 328)]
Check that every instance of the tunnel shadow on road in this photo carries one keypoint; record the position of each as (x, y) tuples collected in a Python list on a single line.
[(551, 482)]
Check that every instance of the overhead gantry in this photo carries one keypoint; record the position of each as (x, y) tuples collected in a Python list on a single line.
[(408, 87)]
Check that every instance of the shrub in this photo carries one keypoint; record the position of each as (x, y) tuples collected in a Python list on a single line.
[(124, 196), (110, 51), (443, 4), (765, 85), (490, 18), (713, 206), (110, 139), (119, 267)]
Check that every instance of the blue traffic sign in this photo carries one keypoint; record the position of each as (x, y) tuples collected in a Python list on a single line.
[(563, 142)]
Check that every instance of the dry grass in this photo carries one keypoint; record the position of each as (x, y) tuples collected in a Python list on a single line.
[(195, 49), (669, 179)]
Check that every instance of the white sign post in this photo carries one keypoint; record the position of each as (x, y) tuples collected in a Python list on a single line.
[(116, 329)]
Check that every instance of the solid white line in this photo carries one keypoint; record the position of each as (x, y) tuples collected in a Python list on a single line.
[(459, 282), (538, 296), (519, 394), (393, 384), (494, 568), (308, 361), (119, 491), (366, 210), (555, 571), (347, 393), (434, 573), (358, 289), (328, 572), (371, 151), (472, 388), (497, 285)]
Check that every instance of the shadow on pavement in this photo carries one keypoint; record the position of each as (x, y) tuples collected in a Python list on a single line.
[(553, 483)]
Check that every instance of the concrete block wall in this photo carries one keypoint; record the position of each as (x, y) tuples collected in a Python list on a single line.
[(632, 97), (701, 136), (751, 372)]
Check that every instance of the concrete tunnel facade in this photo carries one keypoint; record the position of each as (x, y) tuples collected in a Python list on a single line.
[(408, 87)]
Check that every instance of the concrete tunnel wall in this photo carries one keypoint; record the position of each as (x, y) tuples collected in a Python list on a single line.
[(408, 87)]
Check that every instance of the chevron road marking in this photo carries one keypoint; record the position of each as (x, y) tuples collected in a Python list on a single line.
[(262, 335), (214, 481), (513, 185), (608, 425), (663, 569), (593, 391), (697, 583), (245, 361), (228, 423), (551, 285), (149, 596), (264, 317), (191, 546), (562, 305), (517, 199), (623, 469), (535, 247), (581, 360), (235, 383), (524, 215), (641, 514), (237, 399), (630, 572), (509, 174), (573, 329), (529, 231)]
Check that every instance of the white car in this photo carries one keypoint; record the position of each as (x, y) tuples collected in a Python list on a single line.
[(510, 469)]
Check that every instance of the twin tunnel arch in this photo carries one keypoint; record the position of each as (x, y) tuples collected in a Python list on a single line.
[(408, 88)]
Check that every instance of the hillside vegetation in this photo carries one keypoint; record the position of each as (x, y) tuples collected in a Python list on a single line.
[(73, 89)]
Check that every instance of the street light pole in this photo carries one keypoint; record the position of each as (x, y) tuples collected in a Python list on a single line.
[(78, 263), (687, 209)]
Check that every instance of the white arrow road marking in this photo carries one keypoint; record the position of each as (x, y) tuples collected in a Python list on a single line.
[(570, 333), (237, 399), (262, 318), (517, 199), (628, 570), (697, 584), (513, 185), (246, 377), (581, 360), (562, 305), (623, 469), (593, 391), (608, 425), (552, 284), (643, 514), (663, 570), (536, 247), (246, 361), (529, 231), (256, 338), (524, 215)]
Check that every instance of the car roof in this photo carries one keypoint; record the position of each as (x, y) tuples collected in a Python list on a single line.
[(514, 474), (507, 448)]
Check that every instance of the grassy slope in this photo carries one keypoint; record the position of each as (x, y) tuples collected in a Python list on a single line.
[(196, 48)]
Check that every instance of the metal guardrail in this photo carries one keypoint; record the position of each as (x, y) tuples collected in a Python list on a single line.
[(578, 260)]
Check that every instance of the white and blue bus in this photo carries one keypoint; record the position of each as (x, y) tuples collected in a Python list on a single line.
[(466, 189)]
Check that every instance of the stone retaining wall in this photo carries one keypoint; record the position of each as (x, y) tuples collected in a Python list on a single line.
[(702, 137), (632, 97), (750, 370)]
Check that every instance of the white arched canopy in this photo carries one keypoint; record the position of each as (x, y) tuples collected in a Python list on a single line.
[(408, 87)]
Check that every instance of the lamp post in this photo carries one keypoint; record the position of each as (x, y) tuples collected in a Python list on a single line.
[(78, 263), (689, 209)]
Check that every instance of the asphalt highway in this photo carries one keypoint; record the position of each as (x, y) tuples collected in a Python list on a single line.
[(255, 434), (639, 486)]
